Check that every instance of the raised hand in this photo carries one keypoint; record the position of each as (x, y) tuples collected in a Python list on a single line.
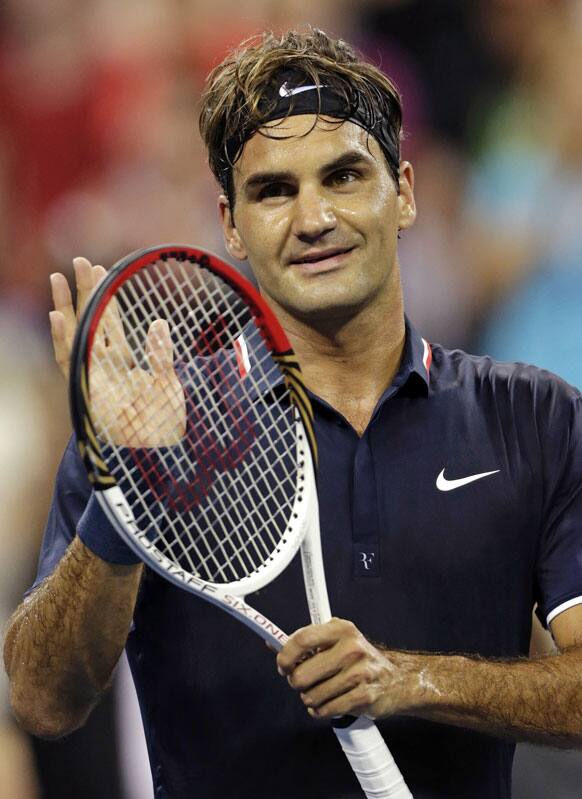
[(131, 406)]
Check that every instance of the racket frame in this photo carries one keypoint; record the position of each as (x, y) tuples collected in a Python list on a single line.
[(304, 522)]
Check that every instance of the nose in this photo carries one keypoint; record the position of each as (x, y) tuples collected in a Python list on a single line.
[(314, 215)]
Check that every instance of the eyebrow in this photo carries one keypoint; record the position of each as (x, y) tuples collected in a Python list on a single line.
[(350, 158)]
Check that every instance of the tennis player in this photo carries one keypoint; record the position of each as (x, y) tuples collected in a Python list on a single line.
[(450, 491)]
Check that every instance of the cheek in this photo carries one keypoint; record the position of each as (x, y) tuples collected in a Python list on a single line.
[(373, 211), (261, 244), (384, 208), (264, 233), (266, 251)]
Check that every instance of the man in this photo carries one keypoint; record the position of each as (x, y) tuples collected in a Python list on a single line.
[(449, 489)]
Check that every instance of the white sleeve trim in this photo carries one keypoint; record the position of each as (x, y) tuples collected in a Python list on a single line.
[(561, 608)]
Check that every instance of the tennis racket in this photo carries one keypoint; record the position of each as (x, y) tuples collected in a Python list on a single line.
[(197, 435)]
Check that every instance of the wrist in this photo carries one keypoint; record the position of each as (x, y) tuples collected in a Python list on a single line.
[(100, 536), (423, 684)]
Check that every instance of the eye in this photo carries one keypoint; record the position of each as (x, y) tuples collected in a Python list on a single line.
[(275, 190), (343, 177)]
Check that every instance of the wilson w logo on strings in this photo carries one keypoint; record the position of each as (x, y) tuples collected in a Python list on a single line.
[(221, 427), (213, 449)]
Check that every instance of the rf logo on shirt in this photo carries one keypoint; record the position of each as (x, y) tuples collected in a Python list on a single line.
[(367, 559)]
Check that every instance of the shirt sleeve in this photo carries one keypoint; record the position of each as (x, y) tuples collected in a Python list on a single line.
[(71, 494), (559, 564)]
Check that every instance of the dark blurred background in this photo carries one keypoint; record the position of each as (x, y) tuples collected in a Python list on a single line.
[(100, 155)]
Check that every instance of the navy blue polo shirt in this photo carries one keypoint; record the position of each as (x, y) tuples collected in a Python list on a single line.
[(457, 511)]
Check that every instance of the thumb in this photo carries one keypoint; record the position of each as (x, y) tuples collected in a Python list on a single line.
[(159, 348)]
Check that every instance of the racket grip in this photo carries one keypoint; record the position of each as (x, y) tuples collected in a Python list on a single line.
[(371, 761)]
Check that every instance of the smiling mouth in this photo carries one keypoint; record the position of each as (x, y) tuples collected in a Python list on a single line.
[(321, 257)]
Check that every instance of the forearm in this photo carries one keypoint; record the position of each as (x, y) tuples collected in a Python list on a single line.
[(64, 642), (339, 672), (537, 700)]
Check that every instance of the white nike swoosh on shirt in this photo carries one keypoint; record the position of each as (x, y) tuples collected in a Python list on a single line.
[(449, 485), (284, 91)]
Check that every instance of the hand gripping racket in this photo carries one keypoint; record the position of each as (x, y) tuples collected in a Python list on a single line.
[(197, 435)]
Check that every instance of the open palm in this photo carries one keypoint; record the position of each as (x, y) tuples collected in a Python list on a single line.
[(132, 404)]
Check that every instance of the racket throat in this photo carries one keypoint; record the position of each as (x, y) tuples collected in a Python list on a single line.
[(256, 621)]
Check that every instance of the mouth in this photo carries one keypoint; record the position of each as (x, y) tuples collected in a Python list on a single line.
[(320, 261)]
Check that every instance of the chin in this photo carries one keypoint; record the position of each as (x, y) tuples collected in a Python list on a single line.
[(324, 311)]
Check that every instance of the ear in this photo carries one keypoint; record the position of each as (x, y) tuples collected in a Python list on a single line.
[(232, 240), (406, 202)]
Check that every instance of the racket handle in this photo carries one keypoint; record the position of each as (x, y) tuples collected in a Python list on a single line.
[(372, 763)]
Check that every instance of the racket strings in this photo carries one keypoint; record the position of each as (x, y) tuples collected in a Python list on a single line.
[(216, 492), (255, 538), (255, 535), (188, 317), (236, 502)]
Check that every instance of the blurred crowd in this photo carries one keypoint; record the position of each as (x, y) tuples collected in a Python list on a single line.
[(100, 155)]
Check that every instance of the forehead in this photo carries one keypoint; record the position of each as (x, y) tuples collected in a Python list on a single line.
[(303, 142)]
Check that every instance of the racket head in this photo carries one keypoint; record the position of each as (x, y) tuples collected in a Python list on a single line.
[(184, 495)]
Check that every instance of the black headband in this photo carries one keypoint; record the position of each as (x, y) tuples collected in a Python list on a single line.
[(291, 93)]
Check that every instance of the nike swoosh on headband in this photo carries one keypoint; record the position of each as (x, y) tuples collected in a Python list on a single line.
[(286, 91), (449, 485)]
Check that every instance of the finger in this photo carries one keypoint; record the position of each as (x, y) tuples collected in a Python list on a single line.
[(61, 343), (85, 281), (113, 328), (159, 348), (305, 641), (98, 272), (356, 702), (63, 302), (317, 668), (342, 682), (102, 337)]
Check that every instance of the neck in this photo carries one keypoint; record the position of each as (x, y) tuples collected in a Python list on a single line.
[(350, 362)]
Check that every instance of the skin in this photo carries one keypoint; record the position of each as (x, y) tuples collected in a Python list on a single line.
[(64, 642), (347, 320)]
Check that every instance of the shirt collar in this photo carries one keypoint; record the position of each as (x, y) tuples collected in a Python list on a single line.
[(412, 378), (414, 371)]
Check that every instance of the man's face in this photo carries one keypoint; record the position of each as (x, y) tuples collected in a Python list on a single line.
[(317, 216)]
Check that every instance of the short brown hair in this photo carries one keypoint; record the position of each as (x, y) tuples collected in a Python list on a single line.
[(231, 106)]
